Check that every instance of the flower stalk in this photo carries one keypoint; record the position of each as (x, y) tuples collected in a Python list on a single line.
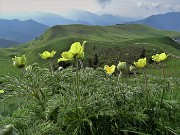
[(159, 58), (147, 90), (119, 77), (51, 66), (77, 81), (141, 63), (163, 91)]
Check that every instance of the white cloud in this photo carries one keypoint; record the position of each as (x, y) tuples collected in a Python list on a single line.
[(156, 5), (103, 3), (148, 5), (175, 8)]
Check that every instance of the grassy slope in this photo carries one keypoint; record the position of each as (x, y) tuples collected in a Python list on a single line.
[(111, 43)]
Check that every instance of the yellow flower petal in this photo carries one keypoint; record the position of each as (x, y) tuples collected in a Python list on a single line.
[(1, 91), (156, 58), (109, 70), (67, 55), (52, 54), (159, 57), (141, 63), (45, 55), (76, 48), (163, 56), (62, 59)]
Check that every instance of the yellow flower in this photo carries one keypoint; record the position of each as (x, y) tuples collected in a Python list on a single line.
[(109, 69), (122, 66), (19, 62), (66, 56), (47, 55), (159, 57), (1, 91), (76, 51), (156, 58), (163, 56), (141, 63)]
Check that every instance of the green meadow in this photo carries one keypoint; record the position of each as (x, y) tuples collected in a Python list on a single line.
[(83, 99)]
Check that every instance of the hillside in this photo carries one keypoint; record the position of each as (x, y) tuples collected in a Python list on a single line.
[(168, 21), (7, 43), (111, 44), (20, 31), (102, 33)]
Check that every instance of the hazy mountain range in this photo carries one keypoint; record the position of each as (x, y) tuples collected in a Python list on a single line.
[(75, 17), (7, 43), (20, 31), (30, 26), (168, 21)]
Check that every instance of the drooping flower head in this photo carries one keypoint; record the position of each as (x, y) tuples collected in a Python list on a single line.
[(109, 69), (122, 66), (76, 51), (47, 55), (19, 62), (159, 57), (141, 63)]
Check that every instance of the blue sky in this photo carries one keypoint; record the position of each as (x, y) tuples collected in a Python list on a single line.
[(128, 8)]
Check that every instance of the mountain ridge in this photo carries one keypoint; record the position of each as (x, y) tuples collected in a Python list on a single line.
[(7, 43), (168, 21), (20, 31)]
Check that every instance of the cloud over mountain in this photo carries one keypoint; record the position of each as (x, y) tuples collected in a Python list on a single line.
[(148, 6), (103, 3)]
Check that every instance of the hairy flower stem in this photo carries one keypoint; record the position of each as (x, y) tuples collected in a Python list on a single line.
[(162, 66), (23, 71), (147, 90), (51, 65), (77, 81), (163, 91), (119, 77)]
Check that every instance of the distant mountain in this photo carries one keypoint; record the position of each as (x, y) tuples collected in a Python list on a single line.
[(168, 21), (52, 19), (72, 17), (94, 19), (20, 31), (7, 43), (78, 17)]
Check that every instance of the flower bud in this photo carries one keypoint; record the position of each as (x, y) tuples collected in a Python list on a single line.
[(19, 62), (132, 68), (122, 66)]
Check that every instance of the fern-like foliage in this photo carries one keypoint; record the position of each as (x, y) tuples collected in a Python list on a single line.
[(40, 102)]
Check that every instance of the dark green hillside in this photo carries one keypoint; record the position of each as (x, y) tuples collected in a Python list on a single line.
[(7, 43), (109, 43)]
